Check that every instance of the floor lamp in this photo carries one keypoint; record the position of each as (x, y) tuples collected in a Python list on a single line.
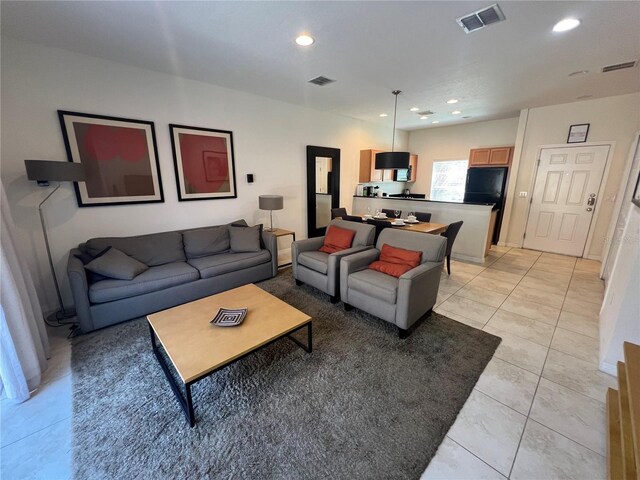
[(43, 172), (271, 203)]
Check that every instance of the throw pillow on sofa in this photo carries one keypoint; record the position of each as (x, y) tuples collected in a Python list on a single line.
[(116, 264), (396, 261), (245, 239), (85, 258), (337, 239), (203, 242)]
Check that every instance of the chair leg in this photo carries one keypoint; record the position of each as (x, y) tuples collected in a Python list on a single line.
[(348, 307), (402, 333), (334, 299), (298, 282), (449, 264)]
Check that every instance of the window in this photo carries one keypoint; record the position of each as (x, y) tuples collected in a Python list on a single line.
[(448, 180)]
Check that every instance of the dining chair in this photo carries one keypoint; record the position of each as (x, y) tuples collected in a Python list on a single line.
[(389, 212), (451, 234), (338, 212), (423, 216), (352, 218), (380, 225)]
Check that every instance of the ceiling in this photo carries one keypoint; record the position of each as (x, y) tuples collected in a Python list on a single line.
[(370, 48)]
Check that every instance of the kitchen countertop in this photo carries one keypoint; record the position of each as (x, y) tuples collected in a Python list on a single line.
[(423, 200)]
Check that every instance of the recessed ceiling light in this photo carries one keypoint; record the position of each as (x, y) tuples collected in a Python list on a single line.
[(566, 24), (436, 121), (456, 112), (414, 109), (304, 40), (383, 115), (452, 100), (423, 117), (579, 72)]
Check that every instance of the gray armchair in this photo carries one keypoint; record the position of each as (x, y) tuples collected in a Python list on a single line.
[(322, 270), (401, 301)]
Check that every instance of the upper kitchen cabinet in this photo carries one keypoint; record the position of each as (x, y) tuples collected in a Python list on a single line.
[(368, 172), (496, 156)]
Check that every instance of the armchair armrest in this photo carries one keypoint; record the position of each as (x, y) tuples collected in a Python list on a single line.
[(334, 264), (271, 244), (353, 263), (299, 246), (417, 293), (79, 290)]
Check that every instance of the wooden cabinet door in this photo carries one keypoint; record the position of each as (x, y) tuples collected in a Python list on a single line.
[(500, 156), (479, 156), (364, 174), (387, 175), (376, 175)]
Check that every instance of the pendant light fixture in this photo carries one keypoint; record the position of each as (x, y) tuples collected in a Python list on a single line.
[(393, 160)]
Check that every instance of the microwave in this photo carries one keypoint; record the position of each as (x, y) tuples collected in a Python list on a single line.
[(402, 174)]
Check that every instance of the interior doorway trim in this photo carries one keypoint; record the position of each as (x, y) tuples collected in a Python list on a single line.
[(603, 184)]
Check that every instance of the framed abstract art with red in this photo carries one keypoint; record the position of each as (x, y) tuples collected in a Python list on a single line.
[(204, 164), (120, 159)]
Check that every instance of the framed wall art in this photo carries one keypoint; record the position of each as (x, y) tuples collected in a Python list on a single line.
[(578, 133), (204, 163), (119, 155)]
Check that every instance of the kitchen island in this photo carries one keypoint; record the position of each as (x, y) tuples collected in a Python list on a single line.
[(474, 239)]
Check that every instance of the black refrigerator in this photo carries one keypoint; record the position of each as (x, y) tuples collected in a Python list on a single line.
[(487, 185)]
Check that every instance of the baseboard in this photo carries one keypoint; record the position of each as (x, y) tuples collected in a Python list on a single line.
[(467, 258), (608, 368)]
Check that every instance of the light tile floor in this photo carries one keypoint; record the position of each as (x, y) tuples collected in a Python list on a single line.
[(536, 412)]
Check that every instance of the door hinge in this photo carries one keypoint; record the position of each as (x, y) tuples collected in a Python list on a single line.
[(524, 236), (531, 200), (538, 162)]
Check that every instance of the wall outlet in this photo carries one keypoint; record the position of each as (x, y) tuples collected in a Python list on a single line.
[(523, 194)]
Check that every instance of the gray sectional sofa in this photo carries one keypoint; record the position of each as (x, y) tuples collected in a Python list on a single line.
[(183, 265)]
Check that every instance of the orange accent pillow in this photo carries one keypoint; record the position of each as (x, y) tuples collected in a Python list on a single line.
[(393, 269), (396, 261), (337, 239)]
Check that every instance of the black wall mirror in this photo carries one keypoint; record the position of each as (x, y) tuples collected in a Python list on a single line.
[(323, 187)]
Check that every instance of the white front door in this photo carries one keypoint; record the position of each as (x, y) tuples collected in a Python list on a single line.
[(564, 198)]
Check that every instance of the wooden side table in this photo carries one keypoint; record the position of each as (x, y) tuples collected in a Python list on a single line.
[(281, 232)]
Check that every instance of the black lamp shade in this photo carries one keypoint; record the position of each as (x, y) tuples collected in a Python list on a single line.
[(50, 170), (392, 160)]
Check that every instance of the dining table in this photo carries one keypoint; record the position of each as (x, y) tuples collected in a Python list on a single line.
[(422, 227)]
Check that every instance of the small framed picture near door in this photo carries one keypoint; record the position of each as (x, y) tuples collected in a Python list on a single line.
[(119, 155), (578, 133), (204, 163)]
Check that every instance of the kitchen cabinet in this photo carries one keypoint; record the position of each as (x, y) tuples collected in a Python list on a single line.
[(368, 172), (413, 165), (491, 157)]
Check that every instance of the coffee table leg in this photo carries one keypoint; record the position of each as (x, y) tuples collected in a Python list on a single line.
[(186, 402), (309, 346)]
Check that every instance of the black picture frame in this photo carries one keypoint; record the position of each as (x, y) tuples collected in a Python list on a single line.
[(578, 133), (123, 179), (635, 197), (184, 195)]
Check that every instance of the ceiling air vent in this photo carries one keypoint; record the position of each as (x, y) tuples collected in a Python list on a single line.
[(619, 66), (321, 81), (426, 112), (480, 19)]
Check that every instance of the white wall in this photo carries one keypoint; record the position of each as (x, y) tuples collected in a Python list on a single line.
[(613, 119), (454, 143), (270, 140)]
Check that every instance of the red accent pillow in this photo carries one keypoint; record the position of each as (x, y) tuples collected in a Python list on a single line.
[(393, 269), (396, 261), (337, 239)]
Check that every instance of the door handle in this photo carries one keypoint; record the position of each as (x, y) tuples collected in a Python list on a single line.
[(591, 201)]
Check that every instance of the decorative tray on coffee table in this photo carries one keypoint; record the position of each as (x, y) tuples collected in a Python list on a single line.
[(229, 317)]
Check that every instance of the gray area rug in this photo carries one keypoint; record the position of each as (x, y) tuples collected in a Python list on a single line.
[(364, 404)]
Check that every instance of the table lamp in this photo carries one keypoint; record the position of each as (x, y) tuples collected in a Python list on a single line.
[(271, 203), (44, 171)]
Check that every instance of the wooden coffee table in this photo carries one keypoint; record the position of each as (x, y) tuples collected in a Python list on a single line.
[(197, 348)]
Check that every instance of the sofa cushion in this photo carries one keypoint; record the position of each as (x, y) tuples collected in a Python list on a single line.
[(315, 260), (389, 268), (245, 239), (115, 264), (154, 279), (337, 239), (202, 242), (154, 249), (228, 262), (375, 284)]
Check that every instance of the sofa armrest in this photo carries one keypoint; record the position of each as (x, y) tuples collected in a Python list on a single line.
[(333, 266), (299, 246), (271, 244), (353, 263), (417, 293), (79, 290)]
